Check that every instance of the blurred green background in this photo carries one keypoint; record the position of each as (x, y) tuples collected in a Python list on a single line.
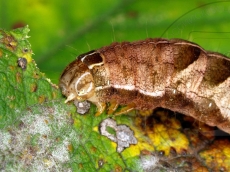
[(61, 30)]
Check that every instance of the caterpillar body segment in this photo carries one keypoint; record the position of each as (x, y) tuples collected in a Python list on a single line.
[(175, 74)]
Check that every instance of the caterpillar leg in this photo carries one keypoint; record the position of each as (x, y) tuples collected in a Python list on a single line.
[(126, 109), (113, 106), (100, 108)]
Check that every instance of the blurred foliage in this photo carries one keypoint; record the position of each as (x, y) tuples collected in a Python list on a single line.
[(61, 30)]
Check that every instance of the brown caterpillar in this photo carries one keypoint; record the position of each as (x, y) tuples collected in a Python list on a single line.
[(175, 74)]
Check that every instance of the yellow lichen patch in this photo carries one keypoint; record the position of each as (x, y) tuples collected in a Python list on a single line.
[(95, 129), (217, 155), (135, 150), (164, 138), (28, 57), (164, 132), (143, 144), (132, 151), (114, 145), (25, 53)]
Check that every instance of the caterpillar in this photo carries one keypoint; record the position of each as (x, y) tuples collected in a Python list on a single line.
[(175, 74)]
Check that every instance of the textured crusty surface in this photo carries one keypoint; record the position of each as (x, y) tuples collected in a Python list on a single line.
[(174, 74)]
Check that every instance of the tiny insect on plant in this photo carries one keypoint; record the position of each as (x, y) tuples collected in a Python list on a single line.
[(174, 74)]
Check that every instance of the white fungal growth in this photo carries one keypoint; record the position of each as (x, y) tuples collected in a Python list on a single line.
[(40, 141), (60, 153), (39, 125), (149, 163), (5, 139), (124, 135)]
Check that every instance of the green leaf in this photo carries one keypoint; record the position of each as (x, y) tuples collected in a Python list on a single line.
[(21, 87), (38, 131)]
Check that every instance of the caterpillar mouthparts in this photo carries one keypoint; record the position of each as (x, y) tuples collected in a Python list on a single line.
[(175, 74)]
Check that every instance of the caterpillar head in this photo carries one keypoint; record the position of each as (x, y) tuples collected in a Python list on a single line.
[(77, 82)]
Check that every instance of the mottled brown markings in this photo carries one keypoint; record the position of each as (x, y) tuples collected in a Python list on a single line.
[(217, 69), (8, 40), (99, 73), (175, 74)]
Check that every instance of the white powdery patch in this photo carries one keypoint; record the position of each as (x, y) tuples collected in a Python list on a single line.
[(39, 125), (124, 136), (39, 143), (5, 139), (149, 162), (60, 153)]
